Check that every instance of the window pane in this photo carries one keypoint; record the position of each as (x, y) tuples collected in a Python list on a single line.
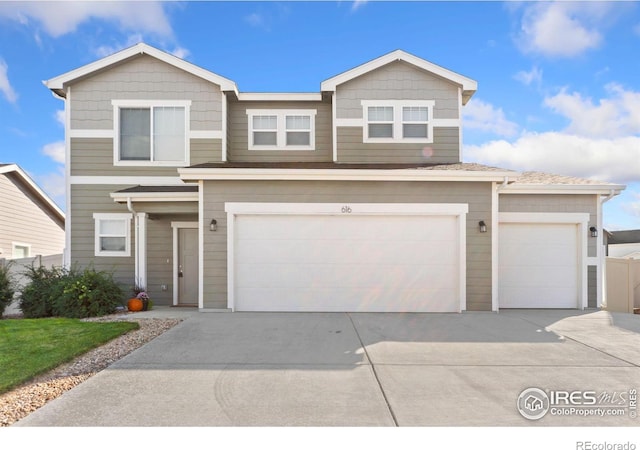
[(414, 130), (169, 140), (20, 251), (414, 114), (265, 122), (135, 128), (380, 130), (112, 244), (264, 138), (113, 227), (380, 113), (298, 123), (298, 138)]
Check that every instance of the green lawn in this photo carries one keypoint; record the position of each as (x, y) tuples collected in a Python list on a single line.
[(29, 347)]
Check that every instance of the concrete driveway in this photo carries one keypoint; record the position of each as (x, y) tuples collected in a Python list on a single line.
[(337, 369)]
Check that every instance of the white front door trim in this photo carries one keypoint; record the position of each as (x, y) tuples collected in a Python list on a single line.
[(459, 210), (581, 220), (176, 257)]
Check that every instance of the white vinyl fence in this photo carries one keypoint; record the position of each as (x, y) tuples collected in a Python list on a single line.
[(17, 269), (623, 284)]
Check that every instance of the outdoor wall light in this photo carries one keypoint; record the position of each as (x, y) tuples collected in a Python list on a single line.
[(482, 226), (594, 231), (213, 226)]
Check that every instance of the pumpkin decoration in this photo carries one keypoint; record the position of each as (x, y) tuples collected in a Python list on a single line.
[(134, 304)]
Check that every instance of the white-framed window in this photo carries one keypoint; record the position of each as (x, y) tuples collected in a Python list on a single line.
[(20, 250), (151, 132), (387, 121), (112, 234), (280, 129)]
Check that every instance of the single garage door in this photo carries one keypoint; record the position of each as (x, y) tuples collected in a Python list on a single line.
[(538, 265), (399, 263)]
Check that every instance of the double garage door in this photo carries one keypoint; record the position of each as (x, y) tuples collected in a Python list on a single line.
[(363, 257)]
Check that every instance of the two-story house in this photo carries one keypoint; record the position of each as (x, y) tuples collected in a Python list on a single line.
[(353, 198)]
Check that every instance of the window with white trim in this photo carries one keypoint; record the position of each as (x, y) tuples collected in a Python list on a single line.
[(20, 250), (112, 234), (281, 129), (151, 132), (398, 121)]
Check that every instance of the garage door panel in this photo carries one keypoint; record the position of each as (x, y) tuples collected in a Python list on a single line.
[(538, 265), (346, 263)]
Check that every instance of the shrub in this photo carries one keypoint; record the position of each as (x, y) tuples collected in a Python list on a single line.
[(6, 288), (87, 294), (39, 294)]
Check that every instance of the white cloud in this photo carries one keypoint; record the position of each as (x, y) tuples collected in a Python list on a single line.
[(357, 4), (60, 18), (55, 151), (106, 50), (616, 160), (60, 117), (256, 20), (480, 115), (616, 116), (5, 86), (181, 52), (526, 78), (54, 185), (562, 29)]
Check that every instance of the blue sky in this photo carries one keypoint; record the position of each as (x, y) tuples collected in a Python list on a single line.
[(558, 82)]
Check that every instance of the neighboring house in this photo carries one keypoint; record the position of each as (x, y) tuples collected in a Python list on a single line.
[(30, 222), (353, 198), (623, 244)]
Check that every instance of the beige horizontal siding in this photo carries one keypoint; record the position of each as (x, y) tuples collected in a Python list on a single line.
[(24, 219), (592, 286), (89, 199), (477, 195), (444, 149), (539, 203), (397, 81), (205, 150), (143, 78), (239, 134)]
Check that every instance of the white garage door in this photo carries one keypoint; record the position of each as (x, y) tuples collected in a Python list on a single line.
[(346, 263), (538, 265)]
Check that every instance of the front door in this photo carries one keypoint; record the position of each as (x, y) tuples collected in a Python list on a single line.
[(188, 266)]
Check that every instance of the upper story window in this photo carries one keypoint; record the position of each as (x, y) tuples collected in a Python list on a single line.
[(388, 121), (151, 132), (112, 234), (281, 129)]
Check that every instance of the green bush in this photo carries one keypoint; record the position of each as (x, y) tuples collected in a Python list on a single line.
[(44, 286), (88, 294), (6, 288), (69, 293)]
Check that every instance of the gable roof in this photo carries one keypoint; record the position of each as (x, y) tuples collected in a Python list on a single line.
[(58, 84), (529, 182), (468, 85), (25, 180), (624, 237)]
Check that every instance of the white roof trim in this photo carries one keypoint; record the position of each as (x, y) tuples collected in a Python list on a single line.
[(280, 96), (192, 174), (27, 180), (563, 189), (123, 197), (468, 85), (58, 83)]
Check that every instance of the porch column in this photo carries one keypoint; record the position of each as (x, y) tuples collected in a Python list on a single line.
[(141, 249)]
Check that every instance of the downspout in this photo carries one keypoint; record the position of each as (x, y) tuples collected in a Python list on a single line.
[(136, 226), (602, 256)]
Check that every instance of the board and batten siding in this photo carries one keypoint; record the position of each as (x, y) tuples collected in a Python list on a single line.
[(143, 78), (352, 149), (89, 199), (397, 81), (239, 133), (477, 195), (24, 221)]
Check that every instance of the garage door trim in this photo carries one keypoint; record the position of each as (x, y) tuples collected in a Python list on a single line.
[(581, 220), (459, 210)]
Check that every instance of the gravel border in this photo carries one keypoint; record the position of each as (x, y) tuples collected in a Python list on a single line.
[(23, 400)]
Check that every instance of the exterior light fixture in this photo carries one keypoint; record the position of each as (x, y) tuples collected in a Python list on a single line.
[(594, 231), (213, 226), (482, 226)]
